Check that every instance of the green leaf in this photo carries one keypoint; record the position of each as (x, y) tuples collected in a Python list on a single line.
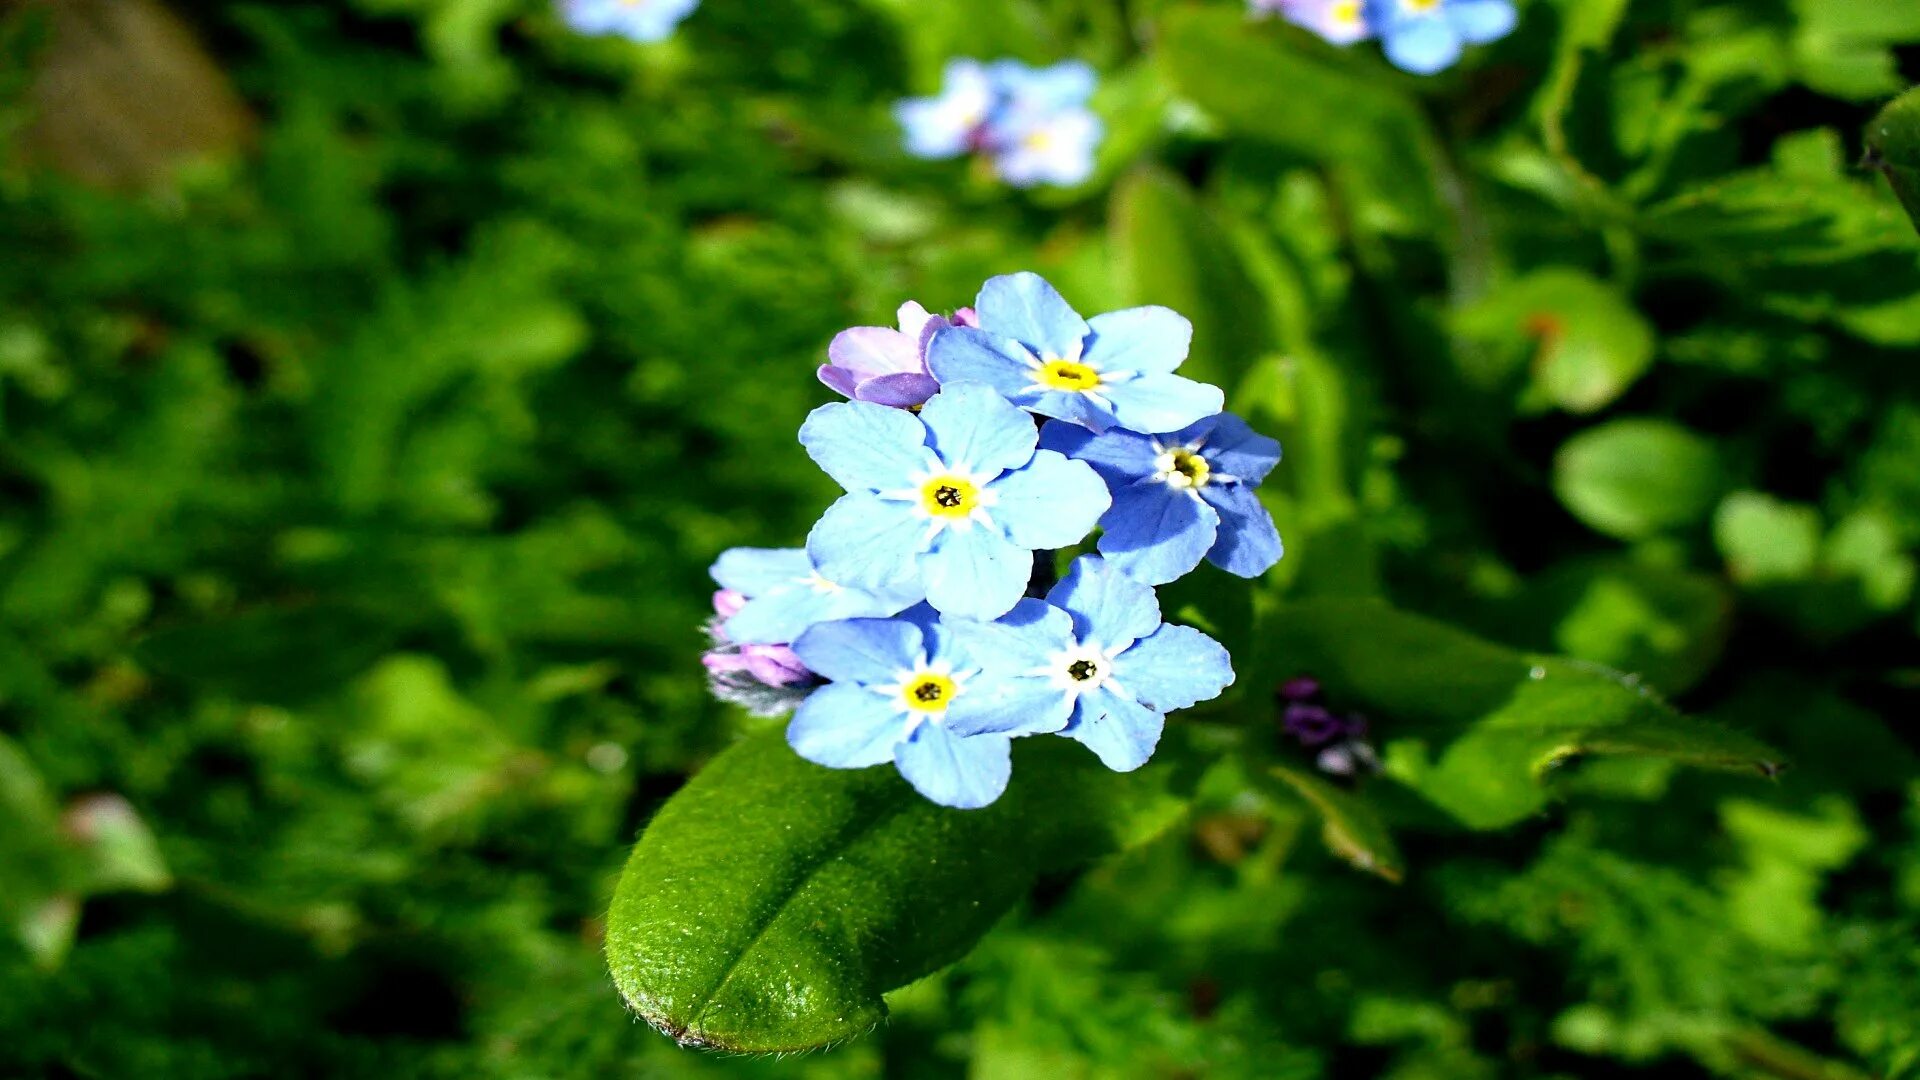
[(1766, 540), (1475, 727), (772, 902), (1348, 824), (1171, 252), (1636, 478), (1664, 624), (41, 871), (1583, 343), (1893, 147), (1281, 85)]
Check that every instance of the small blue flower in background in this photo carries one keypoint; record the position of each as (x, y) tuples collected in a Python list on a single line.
[(893, 683), (1031, 124), (887, 366), (952, 122), (1092, 662), (957, 498), (638, 20), (1180, 497), (1114, 370), (1427, 36), (784, 595), (1341, 22)]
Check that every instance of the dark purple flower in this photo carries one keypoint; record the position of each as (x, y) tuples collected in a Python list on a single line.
[(1313, 725), (887, 366), (1303, 688)]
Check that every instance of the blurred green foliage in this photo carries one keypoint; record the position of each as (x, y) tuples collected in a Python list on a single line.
[(357, 487)]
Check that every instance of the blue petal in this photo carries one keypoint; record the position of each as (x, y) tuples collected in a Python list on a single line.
[(965, 354), (1063, 85), (867, 543), (1144, 339), (1018, 642), (1423, 46), (1120, 457), (1237, 450), (1074, 408), (1009, 706), (783, 614), (1156, 534), (1120, 731), (866, 447), (1052, 503), (1174, 668), (752, 571), (1024, 307), (844, 726), (962, 773), (1481, 21), (973, 427), (1159, 402), (1249, 544), (976, 573), (1109, 608), (863, 651)]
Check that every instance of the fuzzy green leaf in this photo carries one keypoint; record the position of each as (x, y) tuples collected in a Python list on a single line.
[(1475, 727), (772, 902)]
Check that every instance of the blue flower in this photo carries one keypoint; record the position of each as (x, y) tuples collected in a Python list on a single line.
[(1065, 85), (1180, 497), (1341, 22), (1426, 36), (1053, 147), (893, 682), (1114, 370), (956, 499), (785, 595), (952, 122), (639, 20), (1092, 662)]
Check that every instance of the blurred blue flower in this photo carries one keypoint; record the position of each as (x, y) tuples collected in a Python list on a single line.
[(1052, 147), (1031, 124), (1180, 497), (784, 595), (887, 366), (954, 121), (893, 681), (1112, 370), (955, 499), (1092, 662), (1427, 36), (639, 20), (1341, 22)]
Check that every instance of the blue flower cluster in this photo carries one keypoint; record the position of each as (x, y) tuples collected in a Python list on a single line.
[(1421, 36), (1032, 125), (636, 20), (917, 628)]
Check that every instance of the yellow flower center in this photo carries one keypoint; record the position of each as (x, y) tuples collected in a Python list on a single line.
[(1068, 375), (949, 496), (1183, 468), (927, 693), (1347, 12), (1419, 7)]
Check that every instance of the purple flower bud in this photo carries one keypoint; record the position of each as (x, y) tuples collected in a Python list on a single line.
[(884, 365), (1312, 724), (775, 665), (726, 602), (1303, 688)]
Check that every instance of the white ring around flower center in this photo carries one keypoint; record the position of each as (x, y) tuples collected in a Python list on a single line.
[(1079, 669)]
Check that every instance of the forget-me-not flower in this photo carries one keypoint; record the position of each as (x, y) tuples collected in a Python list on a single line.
[(893, 683), (638, 20), (1114, 370), (1426, 36), (954, 121), (1341, 22), (1092, 662), (1180, 497), (1054, 147), (888, 366), (783, 594), (956, 499)]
